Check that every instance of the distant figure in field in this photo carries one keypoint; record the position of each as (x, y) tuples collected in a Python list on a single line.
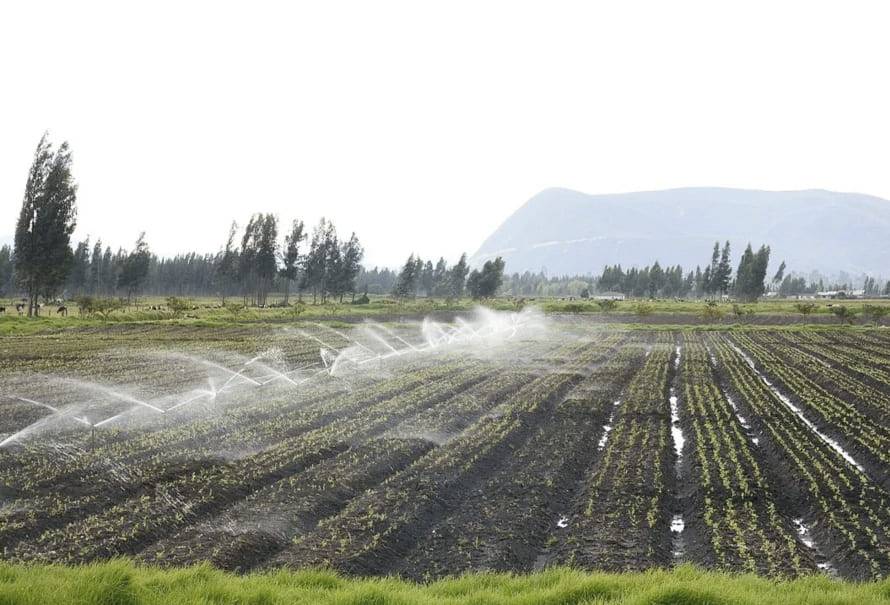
[(63, 310), (3, 310), (20, 308)]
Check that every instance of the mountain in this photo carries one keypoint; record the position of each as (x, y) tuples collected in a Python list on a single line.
[(568, 232)]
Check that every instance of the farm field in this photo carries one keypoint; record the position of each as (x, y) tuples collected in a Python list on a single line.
[(496, 441)]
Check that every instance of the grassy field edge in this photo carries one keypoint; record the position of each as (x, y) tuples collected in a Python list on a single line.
[(120, 582)]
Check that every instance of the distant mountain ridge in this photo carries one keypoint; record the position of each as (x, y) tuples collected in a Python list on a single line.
[(568, 232)]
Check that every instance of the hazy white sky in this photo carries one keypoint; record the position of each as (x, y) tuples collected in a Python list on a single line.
[(423, 125)]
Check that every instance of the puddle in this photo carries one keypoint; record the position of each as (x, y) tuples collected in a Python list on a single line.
[(677, 524), (607, 428), (676, 431), (678, 545), (742, 420), (803, 532)]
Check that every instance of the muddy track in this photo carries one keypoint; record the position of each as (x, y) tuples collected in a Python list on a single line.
[(387, 557), (505, 521), (255, 529), (94, 493)]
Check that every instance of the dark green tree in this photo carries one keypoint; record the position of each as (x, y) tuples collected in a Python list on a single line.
[(406, 284), (351, 253), (291, 256), (440, 279), (780, 273), (109, 271), (426, 279), (134, 269), (712, 271), (96, 268), (485, 283), (457, 277), (723, 277), (46, 221), (266, 256), (227, 264), (749, 284), (316, 259), (247, 259), (6, 270), (78, 278)]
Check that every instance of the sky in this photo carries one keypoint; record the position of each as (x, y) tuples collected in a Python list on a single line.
[(423, 125)]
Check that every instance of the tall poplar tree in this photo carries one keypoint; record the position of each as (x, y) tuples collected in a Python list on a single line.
[(291, 256), (46, 221)]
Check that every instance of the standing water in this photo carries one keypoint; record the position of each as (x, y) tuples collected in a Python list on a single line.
[(677, 522), (607, 428)]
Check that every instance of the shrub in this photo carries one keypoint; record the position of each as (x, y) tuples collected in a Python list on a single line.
[(643, 308), (712, 311), (844, 314), (805, 308), (89, 305), (234, 308), (607, 305), (178, 305), (875, 312)]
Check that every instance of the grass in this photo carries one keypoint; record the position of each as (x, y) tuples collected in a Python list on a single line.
[(119, 582)]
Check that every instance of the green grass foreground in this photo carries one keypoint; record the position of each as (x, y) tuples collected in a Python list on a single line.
[(122, 583)]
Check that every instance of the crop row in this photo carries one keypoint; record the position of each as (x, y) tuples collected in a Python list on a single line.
[(181, 500), (870, 362), (92, 484), (735, 500), (620, 519), (789, 369), (384, 524), (848, 512), (512, 514)]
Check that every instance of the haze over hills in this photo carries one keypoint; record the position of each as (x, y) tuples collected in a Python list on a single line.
[(568, 232)]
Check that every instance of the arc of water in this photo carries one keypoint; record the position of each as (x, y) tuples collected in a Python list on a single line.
[(201, 395), (383, 341), (107, 420), (467, 326), (308, 378), (378, 326), (318, 340), (238, 374), (39, 403), (345, 337), (115, 394), (276, 375), (215, 365), (57, 411)]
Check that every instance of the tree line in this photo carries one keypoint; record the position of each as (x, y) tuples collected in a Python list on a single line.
[(43, 263), (420, 278), (716, 279)]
